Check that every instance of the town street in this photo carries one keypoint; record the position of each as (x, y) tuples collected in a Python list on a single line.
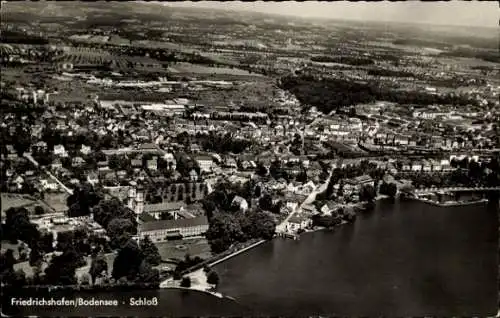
[(280, 228), (31, 159)]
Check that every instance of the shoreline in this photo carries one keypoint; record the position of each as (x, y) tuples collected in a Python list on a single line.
[(198, 277), (450, 204)]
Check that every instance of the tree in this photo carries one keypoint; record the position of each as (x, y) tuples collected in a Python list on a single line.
[(392, 190), (147, 275), (8, 260), (107, 210), (266, 202), (302, 177), (46, 242), (35, 256), (258, 224), (85, 280), (127, 262), (120, 230), (261, 170), (18, 227), (186, 282), (62, 268), (224, 230), (98, 267), (213, 278), (150, 251), (39, 210), (367, 193)]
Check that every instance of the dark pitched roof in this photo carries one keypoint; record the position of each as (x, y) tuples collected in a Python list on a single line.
[(173, 224), (163, 207)]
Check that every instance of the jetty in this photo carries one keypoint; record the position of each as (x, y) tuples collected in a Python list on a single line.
[(288, 235)]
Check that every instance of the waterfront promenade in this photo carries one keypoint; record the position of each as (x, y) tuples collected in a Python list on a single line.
[(217, 259)]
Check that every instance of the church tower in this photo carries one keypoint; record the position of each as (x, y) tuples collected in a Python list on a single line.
[(139, 201), (131, 198)]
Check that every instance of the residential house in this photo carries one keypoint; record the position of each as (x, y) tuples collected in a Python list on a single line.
[(40, 146), (49, 185), (170, 160), (18, 181), (152, 164), (136, 164), (426, 166), (60, 151), (416, 166), (231, 163), (240, 202), (85, 150), (56, 164), (193, 176), (436, 166), (195, 148), (93, 178), (328, 208), (77, 162), (103, 166), (309, 209), (121, 174), (400, 140), (29, 175), (307, 188), (446, 165), (205, 163), (298, 222)]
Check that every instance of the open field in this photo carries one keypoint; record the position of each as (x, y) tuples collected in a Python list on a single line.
[(56, 201), (12, 200)]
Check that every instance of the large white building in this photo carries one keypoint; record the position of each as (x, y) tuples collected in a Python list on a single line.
[(159, 231)]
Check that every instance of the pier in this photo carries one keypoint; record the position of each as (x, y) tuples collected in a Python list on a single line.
[(289, 235)]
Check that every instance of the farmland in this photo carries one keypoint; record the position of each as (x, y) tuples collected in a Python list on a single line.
[(92, 56)]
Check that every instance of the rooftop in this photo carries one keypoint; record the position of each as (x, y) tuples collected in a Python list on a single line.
[(173, 224)]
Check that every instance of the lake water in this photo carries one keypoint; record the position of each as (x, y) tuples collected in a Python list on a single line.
[(404, 258)]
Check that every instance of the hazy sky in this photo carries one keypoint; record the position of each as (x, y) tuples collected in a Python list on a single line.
[(474, 13)]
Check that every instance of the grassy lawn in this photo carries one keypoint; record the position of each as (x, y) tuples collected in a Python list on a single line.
[(11, 200), (193, 247), (56, 201)]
